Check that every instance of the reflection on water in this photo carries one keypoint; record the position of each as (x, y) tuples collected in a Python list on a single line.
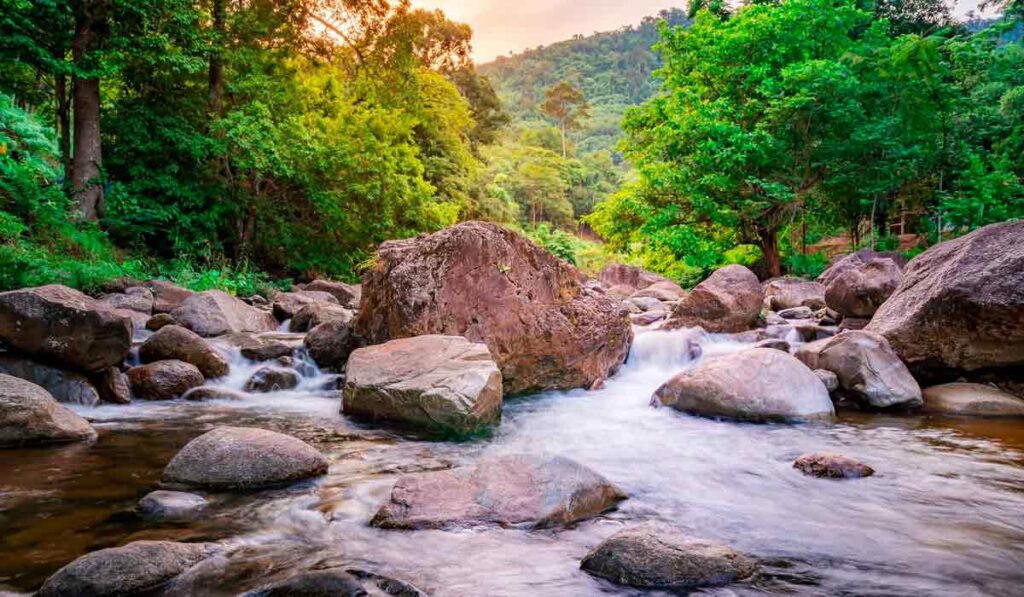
[(942, 516)]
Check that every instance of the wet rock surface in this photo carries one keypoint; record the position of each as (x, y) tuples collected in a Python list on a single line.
[(832, 466), (29, 415), (272, 379), (163, 380), (516, 490), (174, 342), (330, 344), (971, 400), (164, 506), (65, 386)]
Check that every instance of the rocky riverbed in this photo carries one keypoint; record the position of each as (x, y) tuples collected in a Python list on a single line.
[(445, 464)]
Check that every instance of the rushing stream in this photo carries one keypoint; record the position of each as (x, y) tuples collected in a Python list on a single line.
[(944, 515)]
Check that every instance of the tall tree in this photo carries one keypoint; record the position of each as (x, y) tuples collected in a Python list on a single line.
[(565, 104), (91, 31)]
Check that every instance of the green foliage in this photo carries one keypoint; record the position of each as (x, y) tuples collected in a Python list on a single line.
[(559, 243), (807, 266)]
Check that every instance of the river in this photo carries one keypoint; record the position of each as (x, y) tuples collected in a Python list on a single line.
[(944, 514)]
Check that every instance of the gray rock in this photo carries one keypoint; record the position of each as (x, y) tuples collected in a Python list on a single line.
[(651, 556), (136, 568), (316, 314), (135, 298), (829, 379), (664, 291), (867, 367), (317, 583), (515, 490), (646, 304), (797, 313), (348, 295), (330, 344), (972, 400), (444, 384), (64, 326), (215, 313), (272, 379), (238, 458), (174, 342), (287, 304), (773, 343), (30, 416), (728, 301), (757, 384), (204, 393), (163, 380), (789, 293), (65, 386), (832, 466), (167, 296), (169, 506), (857, 285)]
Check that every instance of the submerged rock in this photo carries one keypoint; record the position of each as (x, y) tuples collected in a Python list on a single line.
[(545, 328), (867, 368), (961, 306), (65, 386), (228, 458), (164, 380), (64, 326), (204, 393), (832, 466), (515, 490), (29, 415), (439, 383), (758, 384), (174, 342), (317, 583), (651, 556), (272, 379), (728, 301), (215, 313), (169, 506), (972, 400), (137, 568)]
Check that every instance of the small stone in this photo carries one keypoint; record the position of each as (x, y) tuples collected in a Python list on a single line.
[(832, 466), (169, 505), (831, 380), (272, 379), (114, 387), (160, 320), (797, 313)]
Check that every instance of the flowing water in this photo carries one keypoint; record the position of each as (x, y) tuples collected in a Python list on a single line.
[(944, 514)]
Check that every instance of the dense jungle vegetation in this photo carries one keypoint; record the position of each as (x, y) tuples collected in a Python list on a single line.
[(225, 144)]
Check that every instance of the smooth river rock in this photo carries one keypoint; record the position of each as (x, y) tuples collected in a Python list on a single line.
[(857, 285), (832, 466), (138, 568), (63, 326), (272, 379), (173, 342), (971, 400), (287, 304), (135, 298), (758, 384), (167, 296), (545, 327), (29, 415), (729, 301), (867, 367), (347, 295), (961, 307), (241, 458), (316, 583), (164, 505), (444, 384), (164, 380), (330, 344), (514, 490), (310, 316), (64, 385), (215, 313), (653, 556)]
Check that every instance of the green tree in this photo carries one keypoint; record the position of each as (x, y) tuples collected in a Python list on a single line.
[(567, 107)]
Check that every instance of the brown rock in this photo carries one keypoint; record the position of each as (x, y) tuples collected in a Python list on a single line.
[(30, 416), (163, 380), (330, 344), (114, 387), (62, 325), (316, 314), (516, 490), (634, 277), (215, 313), (348, 295), (832, 466), (858, 285), (136, 298), (972, 400), (287, 304), (728, 301), (491, 285), (961, 306), (790, 293), (272, 379), (665, 291), (174, 342), (167, 296), (160, 320)]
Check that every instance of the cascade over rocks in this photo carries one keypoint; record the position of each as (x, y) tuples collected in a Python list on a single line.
[(30, 416), (514, 490), (347, 295), (758, 384), (65, 386), (858, 284), (259, 348), (164, 380), (64, 326), (972, 400), (791, 293), (651, 556), (330, 344), (174, 342), (439, 383), (230, 458), (215, 313), (544, 327), (140, 567), (867, 367), (728, 301), (960, 307)]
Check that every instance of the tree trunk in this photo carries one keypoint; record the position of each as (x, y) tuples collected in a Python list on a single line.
[(63, 122), (770, 249), (217, 60), (88, 155)]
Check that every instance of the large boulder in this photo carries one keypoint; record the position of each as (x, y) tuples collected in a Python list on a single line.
[(287, 304), (960, 307), (167, 296), (618, 274), (651, 556), (971, 400), (330, 344), (515, 490), (347, 295), (58, 324), (728, 301), (164, 380), (781, 294), (215, 313), (66, 386), (441, 384), (867, 367), (310, 316), (29, 415), (135, 298), (228, 458), (138, 568), (665, 291), (758, 384), (173, 342), (858, 284), (544, 327)]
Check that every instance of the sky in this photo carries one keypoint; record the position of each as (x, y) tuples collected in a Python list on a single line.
[(503, 26)]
